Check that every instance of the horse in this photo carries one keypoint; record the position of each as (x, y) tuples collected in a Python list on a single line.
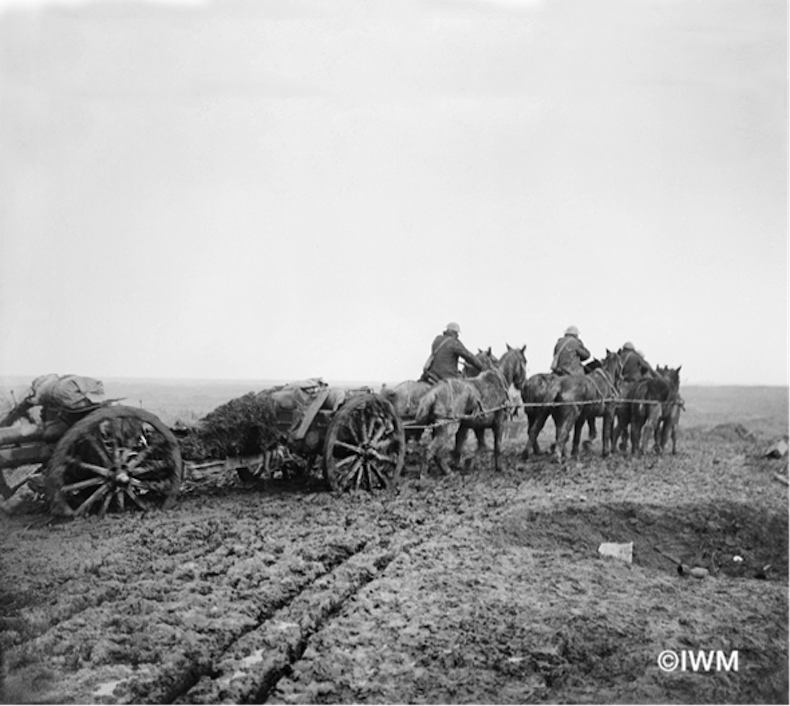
[(477, 403), (582, 397), (542, 388), (622, 411), (669, 425), (405, 397), (667, 428), (654, 410)]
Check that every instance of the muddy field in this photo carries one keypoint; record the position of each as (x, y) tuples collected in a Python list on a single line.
[(472, 588)]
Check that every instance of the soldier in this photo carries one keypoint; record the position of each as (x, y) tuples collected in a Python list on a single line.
[(569, 354), (446, 349), (635, 367)]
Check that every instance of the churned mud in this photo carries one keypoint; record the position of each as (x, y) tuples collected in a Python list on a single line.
[(472, 588)]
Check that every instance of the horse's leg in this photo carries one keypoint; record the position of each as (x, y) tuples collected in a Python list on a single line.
[(636, 431), (531, 439), (536, 422), (497, 427), (567, 419), (644, 436), (578, 425), (649, 428), (557, 416), (540, 422), (480, 435), (625, 433), (675, 420), (460, 440), (437, 449), (667, 428), (426, 450), (619, 429), (591, 432), (608, 425), (656, 426), (559, 425)]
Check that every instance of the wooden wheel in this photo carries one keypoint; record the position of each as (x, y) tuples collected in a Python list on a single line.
[(116, 458), (365, 445)]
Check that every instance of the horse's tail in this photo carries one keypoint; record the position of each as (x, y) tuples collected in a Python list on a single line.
[(426, 408)]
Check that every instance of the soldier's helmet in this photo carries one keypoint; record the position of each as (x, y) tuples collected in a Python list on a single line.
[(452, 326), (628, 346), (571, 331)]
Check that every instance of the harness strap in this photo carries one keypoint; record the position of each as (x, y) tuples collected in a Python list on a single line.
[(607, 379)]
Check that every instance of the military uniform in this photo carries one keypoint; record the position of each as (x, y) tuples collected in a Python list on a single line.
[(635, 367), (569, 353), (446, 349)]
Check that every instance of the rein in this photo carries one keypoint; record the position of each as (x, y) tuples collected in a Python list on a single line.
[(607, 376), (510, 379)]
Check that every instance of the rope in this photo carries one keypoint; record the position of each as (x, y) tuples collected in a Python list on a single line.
[(620, 400), (482, 412), (511, 406)]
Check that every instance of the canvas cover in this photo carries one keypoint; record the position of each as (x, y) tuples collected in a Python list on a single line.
[(70, 392)]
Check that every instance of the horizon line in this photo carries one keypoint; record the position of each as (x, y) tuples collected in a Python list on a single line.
[(345, 381)]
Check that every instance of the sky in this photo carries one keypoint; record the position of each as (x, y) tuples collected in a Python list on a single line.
[(232, 189)]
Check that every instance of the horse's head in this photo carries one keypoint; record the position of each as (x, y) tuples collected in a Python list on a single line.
[(513, 365), (672, 376), (613, 365), (591, 365), (487, 359)]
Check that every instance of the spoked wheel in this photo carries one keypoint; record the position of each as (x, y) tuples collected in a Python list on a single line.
[(365, 445), (116, 458)]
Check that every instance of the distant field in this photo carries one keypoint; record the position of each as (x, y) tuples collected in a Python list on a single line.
[(759, 409)]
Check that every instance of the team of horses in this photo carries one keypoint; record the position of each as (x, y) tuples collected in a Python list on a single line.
[(639, 411)]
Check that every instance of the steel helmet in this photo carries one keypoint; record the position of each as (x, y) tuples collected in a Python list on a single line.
[(571, 331), (452, 326), (628, 346)]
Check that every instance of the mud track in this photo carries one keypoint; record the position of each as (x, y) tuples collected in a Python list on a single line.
[(212, 601), (475, 588)]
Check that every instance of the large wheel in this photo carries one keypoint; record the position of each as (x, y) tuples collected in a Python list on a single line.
[(365, 445), (116, 458)]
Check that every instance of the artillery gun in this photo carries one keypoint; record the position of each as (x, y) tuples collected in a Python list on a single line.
[(90, 456)]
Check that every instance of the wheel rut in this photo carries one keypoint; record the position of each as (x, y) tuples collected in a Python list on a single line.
[(248, 670), (170, 683)]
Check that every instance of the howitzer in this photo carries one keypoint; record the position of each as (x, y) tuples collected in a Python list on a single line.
[(28, 444), (95, 458)]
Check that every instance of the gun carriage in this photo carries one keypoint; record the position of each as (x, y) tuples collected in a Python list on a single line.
[(95, 457), (98, 457), (353, 435)]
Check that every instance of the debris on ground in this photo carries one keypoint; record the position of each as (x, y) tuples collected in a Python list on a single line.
[(623, 551), (777, 450)]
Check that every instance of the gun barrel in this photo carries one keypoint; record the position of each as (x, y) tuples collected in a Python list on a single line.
[(15, 456), (31, 433)]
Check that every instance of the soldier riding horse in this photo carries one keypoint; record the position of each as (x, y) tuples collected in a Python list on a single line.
[(540, 390), (477, 403), (580, 398)]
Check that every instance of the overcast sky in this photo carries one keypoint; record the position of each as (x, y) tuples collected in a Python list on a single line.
[(249, 190)]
